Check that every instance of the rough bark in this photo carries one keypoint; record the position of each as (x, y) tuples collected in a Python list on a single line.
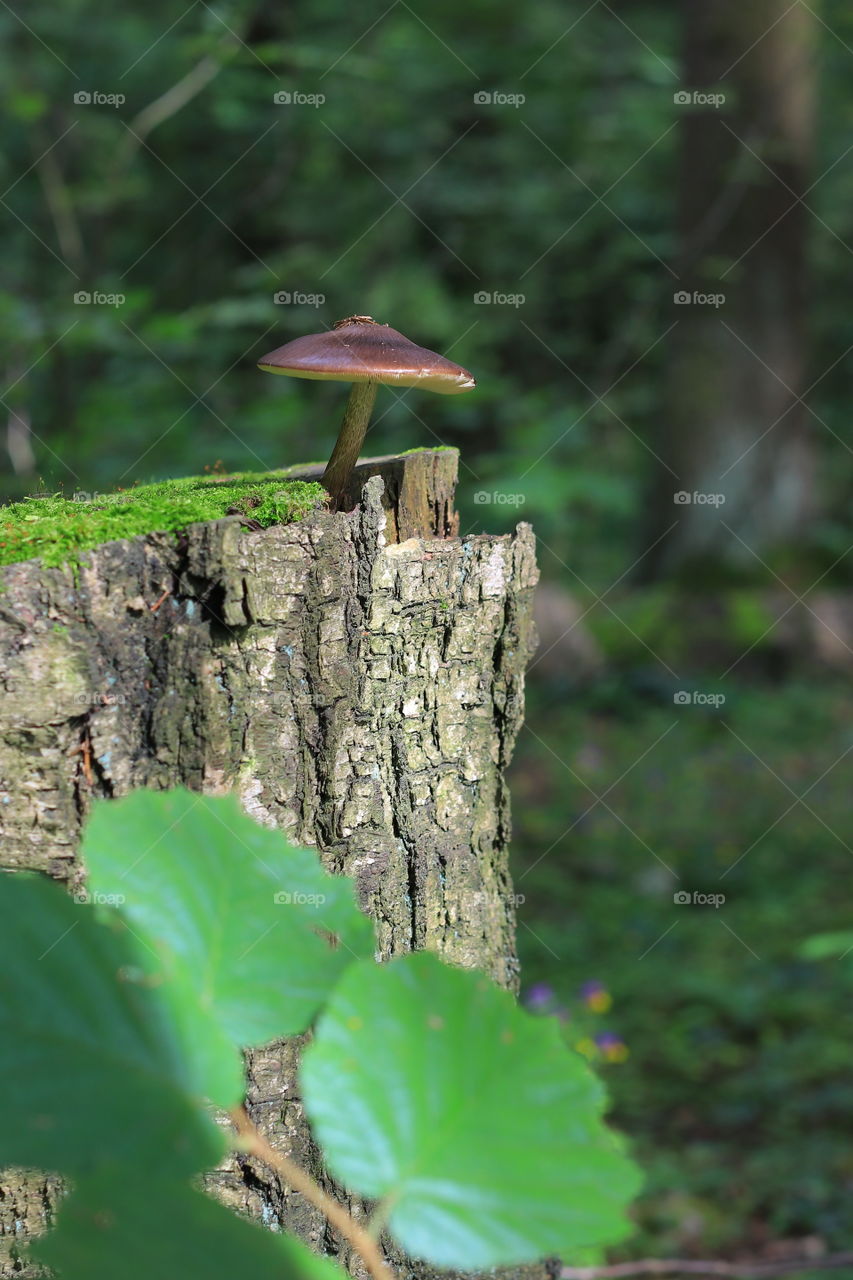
[(360, 693), (419, 491)]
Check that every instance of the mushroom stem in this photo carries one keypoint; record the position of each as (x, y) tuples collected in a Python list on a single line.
[(350, 439)]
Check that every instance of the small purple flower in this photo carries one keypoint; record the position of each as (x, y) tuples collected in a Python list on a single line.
[(596, 996), (539, 996), (613, 1047)]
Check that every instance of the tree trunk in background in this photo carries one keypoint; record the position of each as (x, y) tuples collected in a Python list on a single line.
[(732, 425), (362, 694)]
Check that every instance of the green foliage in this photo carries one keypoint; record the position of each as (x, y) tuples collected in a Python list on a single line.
[(104, 1231), (569, 202), (234, 922), (828, 946), (473, 1124), (467, 1119), (687, 625), (91, 1073), (165, 381), (737, 1089), (57, 528)]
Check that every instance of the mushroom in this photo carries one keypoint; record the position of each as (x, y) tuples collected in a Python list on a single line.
[(365, 353)]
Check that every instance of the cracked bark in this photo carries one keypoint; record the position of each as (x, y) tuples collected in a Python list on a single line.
[(362, 693)]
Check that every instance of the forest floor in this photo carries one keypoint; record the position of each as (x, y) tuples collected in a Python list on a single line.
[(735, 1093)]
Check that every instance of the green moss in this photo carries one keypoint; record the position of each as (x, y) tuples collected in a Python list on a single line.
[(56, 528), (433, 448)]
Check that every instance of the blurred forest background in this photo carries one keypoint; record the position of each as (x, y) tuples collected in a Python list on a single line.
[(634, 223)]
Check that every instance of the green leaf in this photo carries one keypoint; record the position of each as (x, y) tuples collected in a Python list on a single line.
[(827, 946), (237, 918), (90, 1066), (431, 1090), (139, 1231)]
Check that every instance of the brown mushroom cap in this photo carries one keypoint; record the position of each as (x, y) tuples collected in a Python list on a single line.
[(360, 350)]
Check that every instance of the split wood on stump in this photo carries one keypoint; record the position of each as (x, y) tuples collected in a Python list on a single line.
[(357, 678)]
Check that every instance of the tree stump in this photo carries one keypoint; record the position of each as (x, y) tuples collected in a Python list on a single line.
[(357, 678)]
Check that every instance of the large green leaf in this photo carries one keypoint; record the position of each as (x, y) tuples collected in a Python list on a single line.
[(241, 922), (141, 1231), (431, 1090), (90, 1065)]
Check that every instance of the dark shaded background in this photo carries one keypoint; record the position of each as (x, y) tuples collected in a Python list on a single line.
[(633, 223)]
